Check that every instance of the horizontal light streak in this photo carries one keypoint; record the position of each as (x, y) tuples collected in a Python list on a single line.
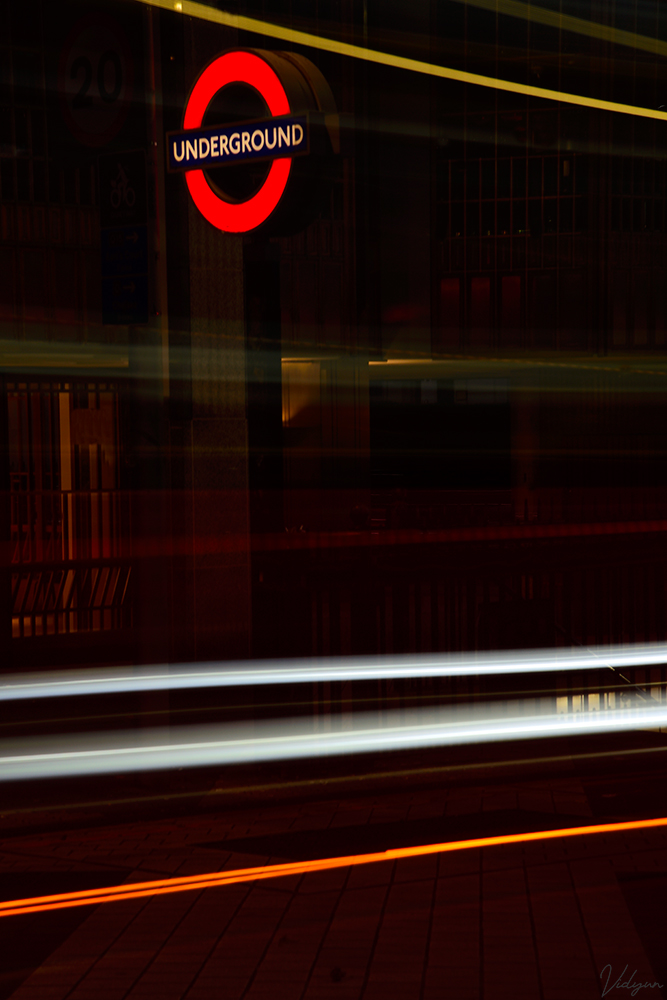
[(157, 547), (162, 677), (138, 890), (291, 739), (241, 23), (358, 778), (40, 353)]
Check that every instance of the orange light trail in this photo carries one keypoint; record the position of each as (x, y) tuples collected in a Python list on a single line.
[(138, 890)]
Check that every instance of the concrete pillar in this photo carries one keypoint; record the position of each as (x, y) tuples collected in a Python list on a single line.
[(218, 443), (211, 605)]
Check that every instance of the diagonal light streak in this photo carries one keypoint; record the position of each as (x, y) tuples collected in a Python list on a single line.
[(294, 739), (575, 25), (165, 677), (282, 33), (138, 890)]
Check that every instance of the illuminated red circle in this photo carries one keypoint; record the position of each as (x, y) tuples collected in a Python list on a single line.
[(237, 67)]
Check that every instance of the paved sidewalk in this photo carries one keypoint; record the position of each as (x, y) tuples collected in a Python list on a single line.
[(539, 920)]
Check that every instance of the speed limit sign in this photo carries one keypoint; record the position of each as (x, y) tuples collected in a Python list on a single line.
[(95, 79)]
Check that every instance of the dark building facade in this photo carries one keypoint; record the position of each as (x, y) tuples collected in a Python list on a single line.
[(422, 408)]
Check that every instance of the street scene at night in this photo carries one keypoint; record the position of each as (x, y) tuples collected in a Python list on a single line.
[(333, 500)]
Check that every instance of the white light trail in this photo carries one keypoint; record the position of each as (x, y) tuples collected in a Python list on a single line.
[(101, 753), (165, 677)]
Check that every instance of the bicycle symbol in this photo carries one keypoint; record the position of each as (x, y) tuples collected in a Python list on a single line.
[(121, 192)]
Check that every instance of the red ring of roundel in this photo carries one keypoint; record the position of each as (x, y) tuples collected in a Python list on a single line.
[(237, 67)]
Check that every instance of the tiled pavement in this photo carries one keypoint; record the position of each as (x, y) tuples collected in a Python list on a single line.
[(539, 920)]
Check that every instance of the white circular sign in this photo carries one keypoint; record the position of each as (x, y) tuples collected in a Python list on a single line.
[(95, 79)]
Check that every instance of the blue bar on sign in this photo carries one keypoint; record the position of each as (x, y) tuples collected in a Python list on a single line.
[(195, 149), (124, 250)]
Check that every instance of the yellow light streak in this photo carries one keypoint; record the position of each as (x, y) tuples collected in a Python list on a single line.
[(575, 25), (242, 23), (138, 890)]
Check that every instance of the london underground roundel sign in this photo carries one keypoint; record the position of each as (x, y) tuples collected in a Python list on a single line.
[(291, 94)]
